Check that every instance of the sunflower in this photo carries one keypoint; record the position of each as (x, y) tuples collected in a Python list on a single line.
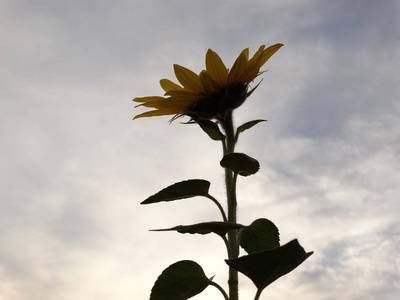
[(213, 92)]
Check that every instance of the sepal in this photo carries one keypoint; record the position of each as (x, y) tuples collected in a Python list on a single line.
[(248, 125)]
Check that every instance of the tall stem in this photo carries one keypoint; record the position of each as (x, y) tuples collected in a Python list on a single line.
[(258, 294), (230, 181)]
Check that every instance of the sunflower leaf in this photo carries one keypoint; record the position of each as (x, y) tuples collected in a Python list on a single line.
[(211, 129), (240, 163), (180, 281), (220, 228), (181, 190), (265, 267), (248, 125), (259, 236)]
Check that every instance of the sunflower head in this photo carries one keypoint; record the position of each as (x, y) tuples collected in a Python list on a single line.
[(216, 104), (211, 94)]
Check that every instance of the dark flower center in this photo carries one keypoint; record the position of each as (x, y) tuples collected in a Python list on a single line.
[(216, 104)]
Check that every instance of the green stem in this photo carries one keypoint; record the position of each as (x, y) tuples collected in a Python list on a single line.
[(230, 180), (219, 207), (258, 294), (228, 247), (220, 289)]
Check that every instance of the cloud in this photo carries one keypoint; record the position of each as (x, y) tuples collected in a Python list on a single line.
[(74, 167)]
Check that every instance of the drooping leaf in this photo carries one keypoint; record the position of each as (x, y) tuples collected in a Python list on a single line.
[(248, 125), (240, 163), (181, 190), (220, 228), (259, 236), (265, 267), (180, 281), (211, 129)]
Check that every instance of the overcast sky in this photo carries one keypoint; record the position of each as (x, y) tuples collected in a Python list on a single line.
[(74, 166)]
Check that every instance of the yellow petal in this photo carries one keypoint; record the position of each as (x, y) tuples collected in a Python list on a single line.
[(252, 68), (148, 99), (245, 52), (237, 68), (170, 104), (154, 113), (159, 104), (167, 85), (267, 53), (208, 83), (188, 79), (255, 60), (183, 95), (216, 68)]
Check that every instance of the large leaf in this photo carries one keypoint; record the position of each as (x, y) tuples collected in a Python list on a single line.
[(248, 125), (181, 190), (211, 129), (259, 236), (180, 281), (265, 267), (220, 228), (240, 163)]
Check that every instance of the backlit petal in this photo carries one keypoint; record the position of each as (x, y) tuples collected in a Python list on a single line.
[(170, 103), (208, 83), (237, 68), (154, 113), (167, 85), (216, 68), (267, 53), (252, 68), (188, 79), (183, 95), (148, 99), (245, 52)]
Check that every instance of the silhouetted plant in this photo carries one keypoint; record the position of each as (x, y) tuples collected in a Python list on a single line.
[(209, 100)]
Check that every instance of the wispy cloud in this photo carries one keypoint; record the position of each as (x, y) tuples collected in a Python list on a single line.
[(74, 167)]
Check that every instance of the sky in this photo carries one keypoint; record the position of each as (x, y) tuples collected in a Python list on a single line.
[(74, 166)]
